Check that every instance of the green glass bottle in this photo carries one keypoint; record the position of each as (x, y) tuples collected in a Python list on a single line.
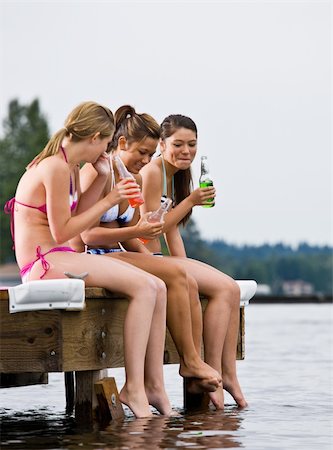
[(205, 180)]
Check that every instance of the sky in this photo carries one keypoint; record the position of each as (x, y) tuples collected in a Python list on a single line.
[(253, 75)]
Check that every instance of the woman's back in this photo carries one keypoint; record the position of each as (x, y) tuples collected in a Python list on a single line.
[(32, 224)]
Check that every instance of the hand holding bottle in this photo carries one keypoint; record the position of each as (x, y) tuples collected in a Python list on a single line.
[(156, 217), (205, 181), (124, 174), (148, 229), (126, 189), (201, 196)]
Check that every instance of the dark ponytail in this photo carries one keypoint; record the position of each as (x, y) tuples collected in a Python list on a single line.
[(133, 126)]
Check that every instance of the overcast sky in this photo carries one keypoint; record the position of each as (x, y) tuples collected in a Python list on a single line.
[(254, 75)]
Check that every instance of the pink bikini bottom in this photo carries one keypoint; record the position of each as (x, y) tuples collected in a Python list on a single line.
[(24, 272)]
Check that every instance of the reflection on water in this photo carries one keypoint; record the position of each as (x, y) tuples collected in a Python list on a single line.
[(286, 377), (200, 430)]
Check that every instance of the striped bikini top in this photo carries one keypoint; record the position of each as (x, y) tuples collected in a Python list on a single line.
[(112, 214)]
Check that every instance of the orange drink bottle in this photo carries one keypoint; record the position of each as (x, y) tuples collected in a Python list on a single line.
[(124, 173), (157, 216)]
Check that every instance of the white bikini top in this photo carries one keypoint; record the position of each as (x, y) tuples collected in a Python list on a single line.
[(112, 214)]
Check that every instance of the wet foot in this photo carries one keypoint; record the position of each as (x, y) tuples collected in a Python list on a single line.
[(158, 398), (200, 370), (232, 386), (217, 398), (199, 386), (136, 401)]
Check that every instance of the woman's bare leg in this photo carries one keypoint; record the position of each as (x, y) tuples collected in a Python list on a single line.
[(154, 378), (178, 314), (141, 291), (221, 324)]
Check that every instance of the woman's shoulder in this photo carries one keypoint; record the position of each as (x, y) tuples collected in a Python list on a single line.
[(152, 170), (52, 163)]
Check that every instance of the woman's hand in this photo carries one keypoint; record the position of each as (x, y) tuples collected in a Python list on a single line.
[(148, 230), (125, 189), (102, 165), (200, 196)]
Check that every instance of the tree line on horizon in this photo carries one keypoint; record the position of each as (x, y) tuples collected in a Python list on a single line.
[(266, 263), (26, 132)]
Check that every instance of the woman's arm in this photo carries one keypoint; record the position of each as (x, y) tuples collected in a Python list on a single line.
[(90, 183), (152, 191), (134, 245), (127, 234), (93, 179), (98, 235), (175, 242), (55, 177)]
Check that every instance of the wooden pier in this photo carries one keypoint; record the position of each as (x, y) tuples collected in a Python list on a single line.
[(81, 344)]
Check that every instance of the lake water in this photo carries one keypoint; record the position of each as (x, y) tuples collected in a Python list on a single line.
[(287, 378)]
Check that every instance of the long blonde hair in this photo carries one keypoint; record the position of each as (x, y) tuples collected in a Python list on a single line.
[(84, 121)]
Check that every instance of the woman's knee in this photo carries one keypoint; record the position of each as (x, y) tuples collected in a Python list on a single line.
[(161, 288), (192, 284), (193, 290), (178, 275), (232, 290), (146, 285)]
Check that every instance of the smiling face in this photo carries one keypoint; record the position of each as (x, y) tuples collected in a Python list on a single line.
[(138, 154), (180, 148)]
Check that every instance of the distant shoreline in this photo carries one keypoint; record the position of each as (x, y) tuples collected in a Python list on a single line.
[(266, 299)]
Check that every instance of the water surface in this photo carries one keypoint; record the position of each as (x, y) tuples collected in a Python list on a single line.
[(287, 378)]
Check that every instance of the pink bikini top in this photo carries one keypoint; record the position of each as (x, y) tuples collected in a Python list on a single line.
[(9, 206)]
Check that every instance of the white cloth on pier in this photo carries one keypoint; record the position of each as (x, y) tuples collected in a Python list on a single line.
[(37, 295)]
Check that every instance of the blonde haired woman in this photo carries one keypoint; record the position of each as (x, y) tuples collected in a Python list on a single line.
[(48, 210)]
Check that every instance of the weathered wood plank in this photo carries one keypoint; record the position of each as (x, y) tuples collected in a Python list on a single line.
[(59, 340), (30, 341), (23, 379), (93, 338), (109, 405), (241, 335)]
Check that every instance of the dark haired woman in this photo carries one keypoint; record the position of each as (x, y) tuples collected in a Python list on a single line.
[(170, 175), (135, 141)]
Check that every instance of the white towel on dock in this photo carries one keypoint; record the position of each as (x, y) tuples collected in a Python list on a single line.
[(35, 295), (247, 290)]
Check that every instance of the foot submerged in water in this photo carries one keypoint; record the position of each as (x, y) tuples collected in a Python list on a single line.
[(158, 398), (232, 386), (136, 401)]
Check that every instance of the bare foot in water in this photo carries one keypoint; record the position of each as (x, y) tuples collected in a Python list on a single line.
[(232, 386), (200, 370), (199, 386), (137, 402), (158, 398), (217, 398)]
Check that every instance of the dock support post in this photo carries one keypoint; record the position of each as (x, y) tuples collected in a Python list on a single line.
[(83, 397), (194, 402), (109, 404), (70, 392)]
